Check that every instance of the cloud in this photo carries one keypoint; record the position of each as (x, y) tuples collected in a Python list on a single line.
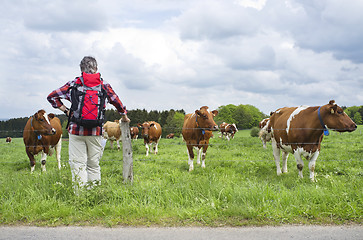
[(64, 16), (322, 26), (184, 54), (216, 20)]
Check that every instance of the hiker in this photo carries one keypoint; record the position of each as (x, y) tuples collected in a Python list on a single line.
[(87, 94)]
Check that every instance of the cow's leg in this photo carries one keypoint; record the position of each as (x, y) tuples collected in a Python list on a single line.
[(191, 157), (276, 153), (312, 162), (285, 155), (299, 163), (227, 136), (58, 149), (156, 146), (111, 144), (44, 161), (32, 160), (205, 147), (118, 145), (199, 153), (147, 149)]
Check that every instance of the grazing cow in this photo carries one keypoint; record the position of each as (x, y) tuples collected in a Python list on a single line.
[(112, 132), (197, 130), (8, 139), (228, 130), (263, 134), (134, 132), (151, 132), (170, 136), (300, 130), (43, 133)]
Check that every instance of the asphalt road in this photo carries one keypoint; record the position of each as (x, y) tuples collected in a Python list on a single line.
[(184, 233)]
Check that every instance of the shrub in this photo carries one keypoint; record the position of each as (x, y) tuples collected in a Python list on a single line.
[(254, 132)]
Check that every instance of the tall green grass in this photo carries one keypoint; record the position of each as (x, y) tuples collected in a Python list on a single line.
[(239, 186)]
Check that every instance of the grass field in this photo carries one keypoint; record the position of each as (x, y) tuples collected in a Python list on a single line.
[(238, 187)]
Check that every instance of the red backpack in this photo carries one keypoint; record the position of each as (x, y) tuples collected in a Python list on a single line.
[(88, 98)]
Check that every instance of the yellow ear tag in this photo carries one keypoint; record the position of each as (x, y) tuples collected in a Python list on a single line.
[(332, 111)]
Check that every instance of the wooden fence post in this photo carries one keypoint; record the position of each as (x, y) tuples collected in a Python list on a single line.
[(127, 171)]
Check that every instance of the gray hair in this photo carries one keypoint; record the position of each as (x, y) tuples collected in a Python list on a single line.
[(88, 65)]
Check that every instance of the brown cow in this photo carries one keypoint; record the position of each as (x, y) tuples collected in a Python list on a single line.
[(196, 132), (43, 133), (228, 130), (263, 134), (8, 139), (134, 132), (112, 132), (151, 132), (300, 130)]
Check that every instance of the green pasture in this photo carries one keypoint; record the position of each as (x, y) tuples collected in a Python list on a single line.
[(238, 187)]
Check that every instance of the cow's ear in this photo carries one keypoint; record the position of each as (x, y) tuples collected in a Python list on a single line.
[(139, 125), (215, 113), (36, 115), (151, 125), (333, 109), (331, 102), (51, 115), (198, 112)]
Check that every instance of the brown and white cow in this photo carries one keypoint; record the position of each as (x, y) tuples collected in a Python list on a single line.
[(151, 132), (43, 133), (112, 132), (197, 130), (263, 134), (228, 130), (8, 139), (134, 132), (300, 130)]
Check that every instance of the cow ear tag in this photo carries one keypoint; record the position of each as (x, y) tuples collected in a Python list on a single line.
[(39, 137), (332, 111)]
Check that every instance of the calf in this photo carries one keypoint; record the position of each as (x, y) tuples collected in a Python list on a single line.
[(151, 132), (228, 130), (300, 130), (42, 133), (134, 132), (112, 132), (8, 139), (197, 130)]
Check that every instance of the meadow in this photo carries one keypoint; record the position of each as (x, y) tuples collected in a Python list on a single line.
[(238, 187)]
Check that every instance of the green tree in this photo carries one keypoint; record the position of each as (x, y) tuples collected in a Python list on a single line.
[(357, 118), (174, 123), (226, 114)]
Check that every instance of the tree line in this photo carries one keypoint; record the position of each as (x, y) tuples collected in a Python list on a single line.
[(244, 116)]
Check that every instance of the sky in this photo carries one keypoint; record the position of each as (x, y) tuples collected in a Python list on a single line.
[(172, 54)]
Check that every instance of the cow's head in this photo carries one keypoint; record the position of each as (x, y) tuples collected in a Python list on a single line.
[(232, 128), (205, 118), (145, 128), (40, 122), (336, 119)]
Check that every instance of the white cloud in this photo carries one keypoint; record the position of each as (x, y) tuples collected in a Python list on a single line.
[(184, 54)]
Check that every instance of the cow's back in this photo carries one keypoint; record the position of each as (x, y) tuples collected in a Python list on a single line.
[(188, 126), (155, 131), (27, 133)]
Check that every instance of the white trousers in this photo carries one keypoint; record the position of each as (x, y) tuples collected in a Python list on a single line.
[(84, 156)]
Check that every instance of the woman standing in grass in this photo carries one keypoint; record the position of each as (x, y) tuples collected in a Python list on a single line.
[(85, 140)]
